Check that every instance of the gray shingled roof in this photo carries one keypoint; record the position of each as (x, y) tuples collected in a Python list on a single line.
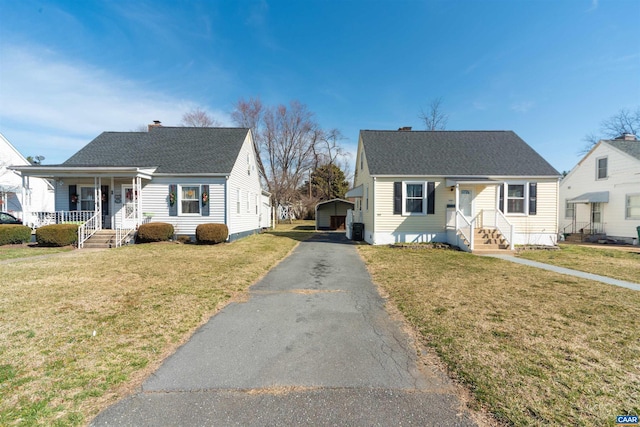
[(630, 147), (173, 150), (452, 153)]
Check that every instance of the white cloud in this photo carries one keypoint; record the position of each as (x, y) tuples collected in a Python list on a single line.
[(522, 107), (64, 105)]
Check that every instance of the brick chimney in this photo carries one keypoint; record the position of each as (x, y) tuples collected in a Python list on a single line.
[(627, 137), (405, 129), (155, 124)]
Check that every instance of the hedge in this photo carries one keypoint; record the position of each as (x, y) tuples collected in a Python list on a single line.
[(154, 232), (210, 234), (57, 235), (13, 234)]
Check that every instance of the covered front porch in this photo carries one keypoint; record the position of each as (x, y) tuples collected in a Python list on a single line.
[(584, 217), (474, 221), (95, 198)]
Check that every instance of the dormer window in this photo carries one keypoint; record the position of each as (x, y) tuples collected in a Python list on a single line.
[(601, 165)]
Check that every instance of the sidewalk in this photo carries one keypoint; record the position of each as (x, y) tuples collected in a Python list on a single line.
[(570, 272)]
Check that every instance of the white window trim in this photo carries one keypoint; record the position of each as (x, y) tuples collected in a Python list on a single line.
[(626, 206), (180, 213), (80, 199), (404, 198), (566, 209), (238, 201), (506, 198), (598, 168)]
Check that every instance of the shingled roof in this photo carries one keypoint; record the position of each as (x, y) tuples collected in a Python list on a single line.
[(451, 153), (172, 150), (631, 147)]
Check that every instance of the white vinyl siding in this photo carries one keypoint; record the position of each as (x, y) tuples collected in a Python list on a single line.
[(622, 180), (601, 168), (632, 208)]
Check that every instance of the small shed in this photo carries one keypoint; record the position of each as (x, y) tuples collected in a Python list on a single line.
[(332, 214)]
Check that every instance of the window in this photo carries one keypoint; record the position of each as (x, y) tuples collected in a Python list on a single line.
[(87, 202), (602, 168), (414, 198), (569, 210), (238, 201), (248, 165), (190, 199), (367, 197), (247, 202), (633, 206), (515, 198)]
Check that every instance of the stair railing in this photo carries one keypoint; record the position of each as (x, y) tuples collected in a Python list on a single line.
[(88, 229), (505, 228), (465, 228)]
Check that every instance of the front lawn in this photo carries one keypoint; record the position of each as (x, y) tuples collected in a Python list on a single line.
[(534, 347), (616, 263), (79, 331), (26, 251)]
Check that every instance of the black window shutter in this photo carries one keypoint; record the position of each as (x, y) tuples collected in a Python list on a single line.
[(173, 200), (431, 198), (204, 196), (73, 195), (533, 198), (397, 198), (501, 199)]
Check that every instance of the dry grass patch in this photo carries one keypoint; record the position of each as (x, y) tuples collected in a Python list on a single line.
[(78, 332), (534, 347), (26, 251), (615, 263)]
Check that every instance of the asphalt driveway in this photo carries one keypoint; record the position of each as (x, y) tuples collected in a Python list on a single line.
[(313, 345)]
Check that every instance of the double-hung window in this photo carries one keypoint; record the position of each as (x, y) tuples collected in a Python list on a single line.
[(515, 198), (190, 199), (632, 206), (601, 168), (414, 198), (87, 195), (569, 210)]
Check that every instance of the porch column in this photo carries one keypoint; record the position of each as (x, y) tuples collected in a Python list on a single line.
[(26, 205), (457, 204)]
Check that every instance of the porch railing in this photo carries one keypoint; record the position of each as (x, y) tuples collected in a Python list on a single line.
[(87, 229), (465, 227), (505, 228), (38, 219), (583, 228)]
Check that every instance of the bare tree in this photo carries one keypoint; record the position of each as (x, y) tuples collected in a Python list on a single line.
[(623, 122), (198, 118), (435, 118), (248, 114)]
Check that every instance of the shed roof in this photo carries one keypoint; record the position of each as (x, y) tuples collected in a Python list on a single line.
[(452, 153), (171, 150)]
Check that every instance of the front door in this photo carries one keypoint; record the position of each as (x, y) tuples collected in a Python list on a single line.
[(106, 218), (596, 217), (129, 213), (466, 203)]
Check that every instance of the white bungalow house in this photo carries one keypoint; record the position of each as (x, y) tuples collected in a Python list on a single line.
[(600, 196), (15, 193), (479, 190), (180, 175)]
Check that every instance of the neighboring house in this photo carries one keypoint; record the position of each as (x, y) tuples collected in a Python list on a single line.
[(332, 214), (472, 189), (180, 175), (600, 197), (14, 192)]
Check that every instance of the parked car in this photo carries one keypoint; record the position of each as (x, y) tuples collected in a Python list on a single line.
[(6, 218)]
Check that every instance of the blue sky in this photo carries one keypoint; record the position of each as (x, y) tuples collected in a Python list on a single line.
[(549, 70)]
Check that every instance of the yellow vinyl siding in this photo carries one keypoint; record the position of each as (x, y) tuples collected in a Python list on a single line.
[(546, 218), (387, 222)]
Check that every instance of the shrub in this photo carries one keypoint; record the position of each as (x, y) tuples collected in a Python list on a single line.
[(10, 234), (210, 234), (154, 232), (57, 235)]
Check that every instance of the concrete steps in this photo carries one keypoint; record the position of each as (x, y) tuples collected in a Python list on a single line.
[(101, 239)]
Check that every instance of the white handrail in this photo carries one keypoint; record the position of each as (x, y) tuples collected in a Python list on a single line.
[(505, 228), (466, 229), (87, 229)]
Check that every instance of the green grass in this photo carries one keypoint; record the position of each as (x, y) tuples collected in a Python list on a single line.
[(534, 347), (79, 331), (616, 263)]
